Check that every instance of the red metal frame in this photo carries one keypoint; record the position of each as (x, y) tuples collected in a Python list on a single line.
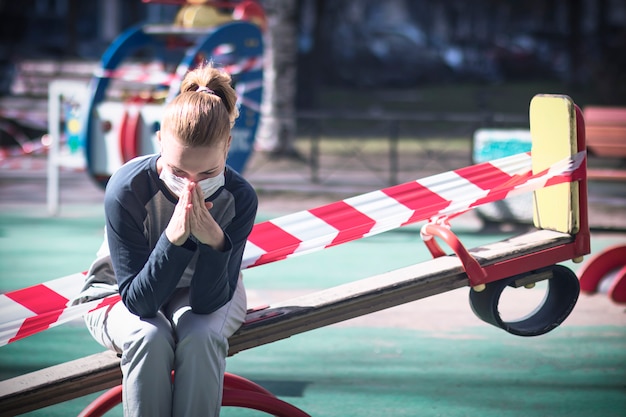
[(103, 403), (238, 392), (478, 275), (130, 128)]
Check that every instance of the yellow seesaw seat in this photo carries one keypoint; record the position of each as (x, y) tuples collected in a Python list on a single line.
[(554, 137)]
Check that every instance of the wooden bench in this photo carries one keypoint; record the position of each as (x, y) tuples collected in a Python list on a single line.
[(605, 130)]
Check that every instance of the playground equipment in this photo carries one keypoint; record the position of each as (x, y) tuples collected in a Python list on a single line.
[(143, 68), (556, 172), (605, 272)]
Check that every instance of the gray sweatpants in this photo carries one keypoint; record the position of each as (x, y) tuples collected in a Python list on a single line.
[(194, 346)]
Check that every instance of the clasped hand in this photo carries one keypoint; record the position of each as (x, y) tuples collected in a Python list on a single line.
[(191, 217)]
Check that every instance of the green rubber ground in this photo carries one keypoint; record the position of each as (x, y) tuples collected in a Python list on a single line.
[(429, 358)]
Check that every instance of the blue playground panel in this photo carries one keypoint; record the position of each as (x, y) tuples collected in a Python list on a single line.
[(235, 46)]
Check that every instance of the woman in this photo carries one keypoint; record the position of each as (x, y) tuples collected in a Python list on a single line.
[(176, 227)]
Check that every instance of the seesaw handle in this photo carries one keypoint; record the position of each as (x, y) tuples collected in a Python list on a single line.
[(476, 274)]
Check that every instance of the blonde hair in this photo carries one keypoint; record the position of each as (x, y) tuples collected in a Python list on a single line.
[(205, 110)]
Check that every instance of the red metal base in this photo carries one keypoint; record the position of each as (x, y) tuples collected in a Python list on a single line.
[(238, 392)]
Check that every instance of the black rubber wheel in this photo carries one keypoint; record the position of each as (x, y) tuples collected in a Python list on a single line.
[(562, 294)]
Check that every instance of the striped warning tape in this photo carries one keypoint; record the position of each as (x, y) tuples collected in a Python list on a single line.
[(21, 144), (18, 162), (31, 310), (38, 118), (156, 75), (15, 159)]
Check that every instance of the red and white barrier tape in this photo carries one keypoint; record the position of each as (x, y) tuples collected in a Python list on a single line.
[(23, 144), (34, 309), (156, 75), (138, 75), (37, 118)]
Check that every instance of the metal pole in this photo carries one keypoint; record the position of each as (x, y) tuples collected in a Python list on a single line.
[(57, 90), (315, 152), (54, 116), (393, 152)]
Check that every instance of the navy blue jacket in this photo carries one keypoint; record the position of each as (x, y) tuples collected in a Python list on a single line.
[(148, 268)]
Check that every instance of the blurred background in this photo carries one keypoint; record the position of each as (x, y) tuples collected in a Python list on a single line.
[(363, 56), (357, 95), (365, 44)]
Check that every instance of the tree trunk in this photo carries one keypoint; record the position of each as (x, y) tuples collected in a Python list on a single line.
[(277, 129)]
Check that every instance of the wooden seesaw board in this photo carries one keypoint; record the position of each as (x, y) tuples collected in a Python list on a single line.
[(101, 371)]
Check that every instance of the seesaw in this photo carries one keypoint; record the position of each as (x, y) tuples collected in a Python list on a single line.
[(556, 173)]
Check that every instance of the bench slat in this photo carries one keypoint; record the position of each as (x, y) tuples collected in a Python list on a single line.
[(605, 131), (606, 174), (59, 383), (605, 115)]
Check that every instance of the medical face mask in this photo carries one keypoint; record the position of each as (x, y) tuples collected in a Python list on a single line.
[(177, 184)]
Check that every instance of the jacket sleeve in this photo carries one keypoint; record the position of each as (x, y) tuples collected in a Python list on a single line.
[(216, 274), (146, 276)]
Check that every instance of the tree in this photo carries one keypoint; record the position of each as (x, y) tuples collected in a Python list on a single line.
[(278, 123)]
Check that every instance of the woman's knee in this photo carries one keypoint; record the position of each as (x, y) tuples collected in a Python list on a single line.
[(202, 340), (151, 340)]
